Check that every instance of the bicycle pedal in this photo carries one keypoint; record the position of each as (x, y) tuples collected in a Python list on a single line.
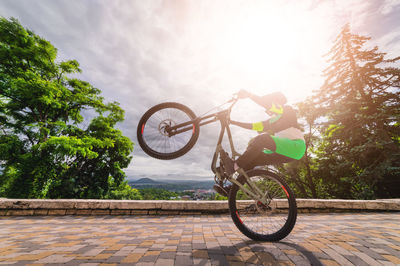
[(220, 190)]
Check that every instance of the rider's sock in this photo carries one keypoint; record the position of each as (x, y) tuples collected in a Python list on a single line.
[(235, 166)]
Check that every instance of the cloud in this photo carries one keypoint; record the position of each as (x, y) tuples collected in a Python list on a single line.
[(141, 53), (389, 6)]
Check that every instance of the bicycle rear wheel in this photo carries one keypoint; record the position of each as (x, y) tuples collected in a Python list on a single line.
[(271, 221), (153, 137)]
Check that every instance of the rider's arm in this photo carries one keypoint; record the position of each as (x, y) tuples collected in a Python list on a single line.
[(242, 124), (268, 100), (265, 101), (274, 124), (258, 100), (258, 126)]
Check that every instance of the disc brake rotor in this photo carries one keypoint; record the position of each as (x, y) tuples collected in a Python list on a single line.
[(164, 125), (262, 208)]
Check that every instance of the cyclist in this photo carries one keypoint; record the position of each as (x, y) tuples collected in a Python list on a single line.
[(280, 139)]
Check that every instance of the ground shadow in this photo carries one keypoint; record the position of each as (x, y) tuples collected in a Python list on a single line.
[(256, 253)]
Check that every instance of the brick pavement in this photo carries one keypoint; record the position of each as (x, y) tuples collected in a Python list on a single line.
[(318, 239)]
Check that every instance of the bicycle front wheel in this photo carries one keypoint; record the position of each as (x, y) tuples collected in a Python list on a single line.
[(271, 220), (153, 137)]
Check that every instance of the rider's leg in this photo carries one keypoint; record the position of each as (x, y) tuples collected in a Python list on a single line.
[(255, 150), (268, 159)]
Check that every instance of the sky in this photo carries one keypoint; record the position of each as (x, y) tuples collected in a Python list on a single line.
[(198, 53)]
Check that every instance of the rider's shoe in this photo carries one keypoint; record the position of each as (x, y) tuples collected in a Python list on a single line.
[(224, 191), (221, 190), (229, 164)]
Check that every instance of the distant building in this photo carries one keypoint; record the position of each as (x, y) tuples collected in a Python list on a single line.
[(186, 197)]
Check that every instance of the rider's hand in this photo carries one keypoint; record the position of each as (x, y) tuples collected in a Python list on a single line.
[(243, 94)]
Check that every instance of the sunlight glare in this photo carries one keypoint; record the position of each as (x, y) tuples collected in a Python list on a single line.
[(266, 44)]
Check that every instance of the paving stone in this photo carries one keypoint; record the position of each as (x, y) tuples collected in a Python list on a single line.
[(298, 259), (393, 259), (115, 259), (230, 250), (386, 263), (183, 260), (164, 262), (22, 263), (145, 264), (201, 262), (337, 257), (370, 253), (218, 259), (216, 250), (390, 250), (199, 246), (330, 263), (200, 253), (320, 255), (93, 252), (356, 260), (132, 258), (340, 250), (151, 258), (55, 259), (184, 248)]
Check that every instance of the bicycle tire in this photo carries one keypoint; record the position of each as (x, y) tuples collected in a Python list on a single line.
[(154, 113), (245, 226)]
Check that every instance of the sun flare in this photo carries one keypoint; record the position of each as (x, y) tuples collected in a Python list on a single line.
[(262, 45)]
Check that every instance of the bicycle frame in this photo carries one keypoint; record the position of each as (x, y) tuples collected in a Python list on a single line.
[(223, 117)]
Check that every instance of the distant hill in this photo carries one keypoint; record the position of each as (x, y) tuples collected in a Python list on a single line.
[(145, 180), (172, 185)]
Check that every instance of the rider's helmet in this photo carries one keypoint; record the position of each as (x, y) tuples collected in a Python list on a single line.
[(275, 101)]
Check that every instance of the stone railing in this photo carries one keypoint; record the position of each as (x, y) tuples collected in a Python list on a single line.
[(166, 207)]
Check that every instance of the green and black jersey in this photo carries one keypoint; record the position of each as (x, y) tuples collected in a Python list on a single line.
[(284, 130)]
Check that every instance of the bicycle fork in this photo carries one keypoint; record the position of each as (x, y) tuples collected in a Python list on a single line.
[(254, 192)]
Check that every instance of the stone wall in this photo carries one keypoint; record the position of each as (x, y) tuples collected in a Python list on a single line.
[(164, 207)]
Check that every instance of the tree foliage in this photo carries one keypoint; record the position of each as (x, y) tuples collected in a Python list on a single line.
[(47, 147), (355, 115), (122, 191), (302, 174), (157, 194)]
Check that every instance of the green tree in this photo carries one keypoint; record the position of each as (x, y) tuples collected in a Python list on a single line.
[(157, 194), (359, 109), (122, 191), (302, 175), (47, 147), (218, 196)]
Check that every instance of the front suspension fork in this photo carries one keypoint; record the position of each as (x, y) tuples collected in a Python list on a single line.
[(254, 192)]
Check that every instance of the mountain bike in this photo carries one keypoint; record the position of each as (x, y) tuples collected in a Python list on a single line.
[(261, 204)]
